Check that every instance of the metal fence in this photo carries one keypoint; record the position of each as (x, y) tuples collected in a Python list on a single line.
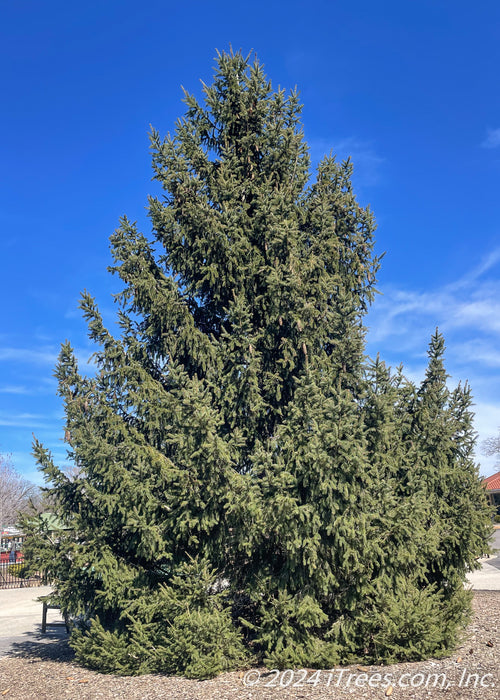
[(13, 573)]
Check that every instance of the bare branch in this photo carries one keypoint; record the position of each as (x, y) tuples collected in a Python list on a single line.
[(15, 493)]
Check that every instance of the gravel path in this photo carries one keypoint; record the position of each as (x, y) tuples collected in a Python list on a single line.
[(46, 671)]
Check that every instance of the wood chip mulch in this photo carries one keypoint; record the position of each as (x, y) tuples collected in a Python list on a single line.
[(46, 671)]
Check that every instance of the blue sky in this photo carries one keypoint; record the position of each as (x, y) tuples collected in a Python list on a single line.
[(409, 90)]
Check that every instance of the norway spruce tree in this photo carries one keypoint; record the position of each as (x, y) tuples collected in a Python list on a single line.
[(249, 487)]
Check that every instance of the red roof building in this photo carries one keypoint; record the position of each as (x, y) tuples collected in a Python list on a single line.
[(492, 484)]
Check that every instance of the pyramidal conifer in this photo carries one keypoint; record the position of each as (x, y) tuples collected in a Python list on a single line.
[(249, 488)]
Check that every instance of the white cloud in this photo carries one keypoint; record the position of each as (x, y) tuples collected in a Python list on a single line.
[(467, 311), (86, 361), (487, 424), (488, 262), (23, 420), (480, 351), (471, 303), (12, 389), (483, 315), (367, 163), (492, 139), (43, 356), (487, 418), (46, 356)]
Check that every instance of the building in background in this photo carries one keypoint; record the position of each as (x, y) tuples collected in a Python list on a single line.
[(492, 484)]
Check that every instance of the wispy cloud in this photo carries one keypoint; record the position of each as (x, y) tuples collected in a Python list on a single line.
[(12, 389), (492, 139), (86, 361), (41, 356), (489, 261), (467, 311), (478, 350), (44, 356), (482, 314), (487, 424), (23, 420), (73, 312), (471, 303), (367, 162)]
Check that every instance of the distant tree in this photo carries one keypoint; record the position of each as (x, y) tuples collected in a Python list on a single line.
[(248, 487), (491, 447), (445, 436), (15, 493)]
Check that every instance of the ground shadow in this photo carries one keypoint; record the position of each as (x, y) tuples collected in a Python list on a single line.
[(51, 646)]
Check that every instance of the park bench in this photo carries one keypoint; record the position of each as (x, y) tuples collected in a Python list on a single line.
[(46, 605)]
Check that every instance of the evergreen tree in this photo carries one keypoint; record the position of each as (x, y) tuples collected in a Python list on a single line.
[(446, 438), (244, 481)]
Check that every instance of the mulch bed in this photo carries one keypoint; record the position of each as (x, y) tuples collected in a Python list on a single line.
[(46, 671)]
